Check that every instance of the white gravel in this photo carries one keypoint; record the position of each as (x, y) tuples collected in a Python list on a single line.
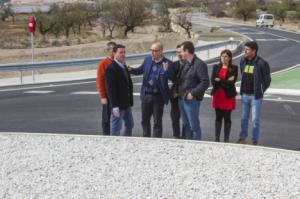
[(70, 166)]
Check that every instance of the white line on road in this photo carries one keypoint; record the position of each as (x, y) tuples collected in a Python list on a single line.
[(289, 109), (84, 93), (282, 37), (271, 40), (39, 92)]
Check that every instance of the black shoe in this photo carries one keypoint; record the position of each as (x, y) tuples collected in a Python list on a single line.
[(254, 143)]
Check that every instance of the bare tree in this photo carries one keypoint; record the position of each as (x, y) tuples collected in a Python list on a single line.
[(6, 12), (45, 23), (183, 19), (245, 8), (109, 22), (129, 13)]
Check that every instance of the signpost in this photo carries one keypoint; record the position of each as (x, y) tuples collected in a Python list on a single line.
[(31, 30)]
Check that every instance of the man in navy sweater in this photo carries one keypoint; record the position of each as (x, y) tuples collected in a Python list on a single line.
[(155, 93)]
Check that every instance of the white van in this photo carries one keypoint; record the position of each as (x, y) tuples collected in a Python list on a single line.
[(266, 20)]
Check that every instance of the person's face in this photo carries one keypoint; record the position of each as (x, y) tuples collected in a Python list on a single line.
[(156, 52), (110, 52), (225, 59), (184, 54), (120, 55), (178, 54), (249, 53)]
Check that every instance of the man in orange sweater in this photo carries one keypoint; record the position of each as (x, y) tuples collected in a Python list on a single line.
[(102, 87)]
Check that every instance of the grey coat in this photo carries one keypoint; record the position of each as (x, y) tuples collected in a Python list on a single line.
[(193, 78)]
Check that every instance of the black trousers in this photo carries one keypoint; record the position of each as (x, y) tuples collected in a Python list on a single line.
[(152, 105), (175, 117), (106, 112), (223, 114)]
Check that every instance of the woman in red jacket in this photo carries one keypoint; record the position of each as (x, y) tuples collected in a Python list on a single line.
[(223, 78)]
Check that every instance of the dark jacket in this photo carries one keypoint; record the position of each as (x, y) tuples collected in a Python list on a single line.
[(120, 88), (175, 80), (228, 86), (262, 76), (162, 79), (193, 78)]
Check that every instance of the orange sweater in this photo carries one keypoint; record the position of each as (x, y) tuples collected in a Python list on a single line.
[(101, 83)]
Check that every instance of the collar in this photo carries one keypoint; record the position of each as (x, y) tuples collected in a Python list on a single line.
[(160, 60), (119, 63)]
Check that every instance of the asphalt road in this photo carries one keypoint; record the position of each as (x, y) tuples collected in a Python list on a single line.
[(74, 107)]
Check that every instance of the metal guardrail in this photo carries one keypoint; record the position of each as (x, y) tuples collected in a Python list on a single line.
[(21, 67)]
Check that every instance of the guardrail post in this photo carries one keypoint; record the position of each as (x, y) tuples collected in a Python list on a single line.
[(32, 56), (21, 76), (208, 53)]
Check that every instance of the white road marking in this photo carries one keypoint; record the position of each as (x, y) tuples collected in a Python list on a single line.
[(282, 37), (47, 86), (253, 33), (271, 40), (39, 92), (289, 109), (84, 93), (239, 98)]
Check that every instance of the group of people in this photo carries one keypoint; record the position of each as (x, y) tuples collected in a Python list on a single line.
[(190, 79)]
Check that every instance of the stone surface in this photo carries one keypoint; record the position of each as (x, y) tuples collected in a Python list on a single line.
[(68, 166)]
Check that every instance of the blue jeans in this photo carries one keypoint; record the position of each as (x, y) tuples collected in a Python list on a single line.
[(189, 112), (249, 103), (116, 123)]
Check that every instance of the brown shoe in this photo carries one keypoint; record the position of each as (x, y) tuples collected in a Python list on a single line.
[(240, 141)]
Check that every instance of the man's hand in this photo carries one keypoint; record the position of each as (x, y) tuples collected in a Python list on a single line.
[(217, 79), (189, 96), (129, 68), (103, 101), (231, 78), (165, 66), (116, 113)]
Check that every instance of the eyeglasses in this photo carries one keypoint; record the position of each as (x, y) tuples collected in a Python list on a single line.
[(154, 50)]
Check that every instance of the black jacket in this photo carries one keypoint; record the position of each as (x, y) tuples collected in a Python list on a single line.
[(228, 86), (175, 80), (120, 88), (262, 76), (194, 78)]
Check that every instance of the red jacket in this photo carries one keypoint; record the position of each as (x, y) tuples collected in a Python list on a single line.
[(101, 83)]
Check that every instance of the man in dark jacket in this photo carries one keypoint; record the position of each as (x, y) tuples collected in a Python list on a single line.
[(175, 111), (155, 91), (193, 81), (256, 79), (120, 92)]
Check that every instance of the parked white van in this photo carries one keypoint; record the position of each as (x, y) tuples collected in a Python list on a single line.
[(266, 20)]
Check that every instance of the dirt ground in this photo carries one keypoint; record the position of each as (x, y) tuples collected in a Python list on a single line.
[(137, 42)]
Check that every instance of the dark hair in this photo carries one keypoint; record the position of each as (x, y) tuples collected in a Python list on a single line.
[(229, 53), (110, 45), (252, 44), (189, 46), (116, 47), (178, 46)]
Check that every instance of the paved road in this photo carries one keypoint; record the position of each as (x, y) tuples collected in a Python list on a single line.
[(74, 107)]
